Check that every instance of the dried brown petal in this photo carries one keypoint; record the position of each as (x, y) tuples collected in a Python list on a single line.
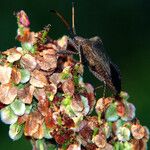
[(24, 35), (76, 103), (52, 89), (93, 122), (56, 117), (51, 46), (51, 64), (32, 38), (74, 147), (55, 78), (13, 55), (108, 101), (107, 147), (28, 62), (91, 146), (31, 127), (137, 131), (38, 79), (7, 93), (103, 103), (43, 107), (89, 88), (26, 94), (22, 119), (40, 133), (91, 100), (49, 121), (59, 139), (62, 135), (86, 133), (139, 144), (38, 117), (68, 87), (16, 50), (68, 122), (9, 51), (48, 53), (40, 94), (47, 59), (5, 74), (100, 139), (146, 137), (33, 123), (62, 42), (100, 105), (42, 63), (69, 63), (16, 76), (91, 96)]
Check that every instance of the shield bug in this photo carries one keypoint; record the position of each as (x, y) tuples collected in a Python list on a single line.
[(92, 54)]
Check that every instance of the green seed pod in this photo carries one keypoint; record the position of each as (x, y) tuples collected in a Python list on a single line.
[(8, 116), (111, 113), (25, 75), (123, 134), (18, 107), (15, 131)]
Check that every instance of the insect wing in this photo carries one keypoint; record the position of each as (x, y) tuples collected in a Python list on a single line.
[(100, 54)]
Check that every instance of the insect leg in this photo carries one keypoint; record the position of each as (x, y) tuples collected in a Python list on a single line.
[(66, 52), (71, 42), (104, 90), (100, 78), (98, 87), (81, 55), (79, 50)]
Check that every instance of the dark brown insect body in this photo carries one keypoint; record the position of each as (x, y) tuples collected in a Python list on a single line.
[(91, 52)]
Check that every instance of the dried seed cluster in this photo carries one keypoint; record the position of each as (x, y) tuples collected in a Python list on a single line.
[(43, 96)]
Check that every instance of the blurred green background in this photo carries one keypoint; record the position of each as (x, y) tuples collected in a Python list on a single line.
[(123, 25)]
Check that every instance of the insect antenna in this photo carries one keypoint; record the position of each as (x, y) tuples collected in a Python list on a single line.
[(65, 22), (73, 19)]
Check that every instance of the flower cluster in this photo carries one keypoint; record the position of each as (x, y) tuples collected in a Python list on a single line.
[(43, 96)]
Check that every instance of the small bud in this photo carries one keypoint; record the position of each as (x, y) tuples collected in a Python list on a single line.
[(23, 18), (124, 95)]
